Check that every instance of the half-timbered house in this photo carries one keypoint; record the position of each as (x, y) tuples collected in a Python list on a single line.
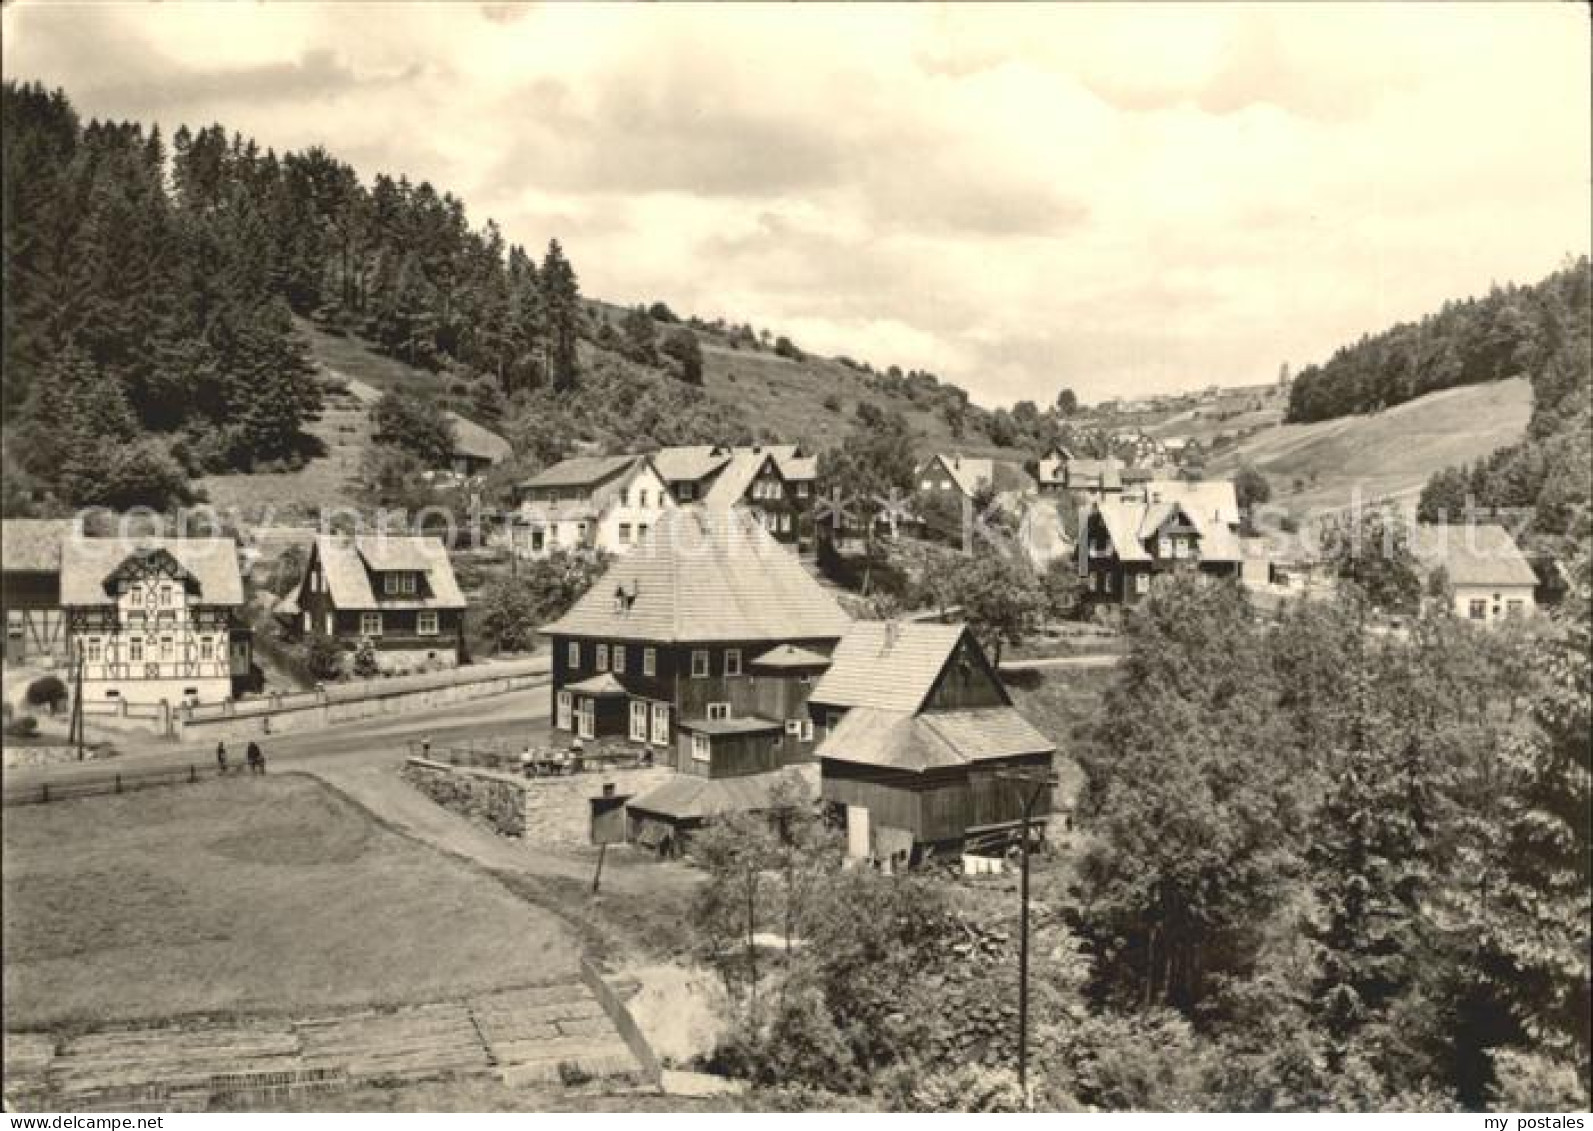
[(156, 619), (30, 587)]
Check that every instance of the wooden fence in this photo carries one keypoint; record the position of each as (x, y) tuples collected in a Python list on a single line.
[(126, 781)]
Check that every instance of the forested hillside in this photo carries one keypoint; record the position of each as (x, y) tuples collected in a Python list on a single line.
[(159, 294), (1540, 332)]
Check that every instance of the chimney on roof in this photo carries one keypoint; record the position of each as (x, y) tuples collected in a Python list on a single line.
[(893, 632)]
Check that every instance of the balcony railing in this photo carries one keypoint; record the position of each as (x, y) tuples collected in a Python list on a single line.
[(158, 669)]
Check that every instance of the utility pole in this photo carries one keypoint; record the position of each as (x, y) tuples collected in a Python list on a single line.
[(1039, 784), (77, 698)]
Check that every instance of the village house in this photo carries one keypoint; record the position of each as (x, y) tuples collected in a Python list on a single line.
[(1168, 525), (156, 619), (918, 736), (30, 587), (702, 642), (475, 449), (396, 591), (1489, 579), (589, 503), (776, 483), (967, 476), (1051, 476)]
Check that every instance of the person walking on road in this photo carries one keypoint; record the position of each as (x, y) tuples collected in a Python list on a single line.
[(256, 759), (221, 758)]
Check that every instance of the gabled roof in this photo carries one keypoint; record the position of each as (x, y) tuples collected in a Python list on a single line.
[(88, 563), (1474, 554), (790, 656), (580, 471), (471, 439), (33, 545), (690, 463), (799, 468), (732, 483), (347, 564), (1098, 474), (887, 664), (704, 574), (1130, 522), (687, 797), (744, 724), (1207, 501), (932, 740)]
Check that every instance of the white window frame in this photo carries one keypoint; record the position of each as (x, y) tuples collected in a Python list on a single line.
[(1477, 608), (660, 724), (624, 534), (370, 624), (1141, 584), (718, 712), (802, 489), (426, 623), (639, 711), (807, 730), (702, 747), (601, 658), (703, 669), (732, 661), (617, 658), (793, 727), (563, 710), (572, 654), (649, 661), (586, 718)]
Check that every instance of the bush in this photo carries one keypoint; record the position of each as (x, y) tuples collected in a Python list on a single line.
[(832, 402), (48, 692), (323, 656), (24, 727)]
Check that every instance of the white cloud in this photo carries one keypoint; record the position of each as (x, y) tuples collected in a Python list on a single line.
[(1018, 198)]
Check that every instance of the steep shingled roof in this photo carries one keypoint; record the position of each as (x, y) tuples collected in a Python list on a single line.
[(471, 439), (932, 740), (579, 471), (704, 574), (691, 462), (887, 665), (33, 545), (87, 563), (790, 656), (1476, 554), (687, 797), (347, 564)]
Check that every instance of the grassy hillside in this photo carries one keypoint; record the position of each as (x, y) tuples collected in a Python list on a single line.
[(1389, 454)]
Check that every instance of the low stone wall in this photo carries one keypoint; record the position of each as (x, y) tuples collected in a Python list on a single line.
[(545, 812), (485, 796), (341, 703)]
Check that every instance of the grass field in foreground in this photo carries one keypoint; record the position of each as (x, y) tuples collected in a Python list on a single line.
[(248, 896)]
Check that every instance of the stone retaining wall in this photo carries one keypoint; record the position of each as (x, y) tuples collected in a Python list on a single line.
[(485, 796)]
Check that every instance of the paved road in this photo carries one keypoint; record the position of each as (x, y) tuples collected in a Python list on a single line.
[(364, 741)]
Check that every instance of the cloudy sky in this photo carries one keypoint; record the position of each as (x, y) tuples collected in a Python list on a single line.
[(1119, 200)]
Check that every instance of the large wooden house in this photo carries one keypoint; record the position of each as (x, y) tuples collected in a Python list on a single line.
[(30, 587), (1166, 526), (396, 591), (918, 742), (967, 476), (156, 619), (702, 642)]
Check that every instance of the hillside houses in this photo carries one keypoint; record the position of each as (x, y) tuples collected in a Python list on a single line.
[(397, 592), (611, 502), (475, 449)]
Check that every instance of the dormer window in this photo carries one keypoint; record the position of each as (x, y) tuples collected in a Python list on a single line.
[(398, 584)]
